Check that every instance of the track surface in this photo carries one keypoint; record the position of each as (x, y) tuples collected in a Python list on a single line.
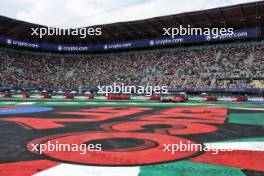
[(133, 136)]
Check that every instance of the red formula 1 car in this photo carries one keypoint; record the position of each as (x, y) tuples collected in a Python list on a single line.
[(154, 97), (46, 96), (90, 97), (241, 98), (118, 97), (210, 98), (179, 99), (25, 95), (175, 99), (69, 96)]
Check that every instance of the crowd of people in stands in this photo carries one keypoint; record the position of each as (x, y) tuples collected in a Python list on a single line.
[(225, 67)]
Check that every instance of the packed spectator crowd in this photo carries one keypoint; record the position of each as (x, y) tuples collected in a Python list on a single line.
[(225, 67)]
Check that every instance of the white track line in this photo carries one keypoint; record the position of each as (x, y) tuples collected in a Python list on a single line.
[(80, 170), (26, 103), (253, 146), (250, 109)]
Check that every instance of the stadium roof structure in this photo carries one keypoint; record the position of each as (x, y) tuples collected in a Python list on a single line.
[(242, 16)]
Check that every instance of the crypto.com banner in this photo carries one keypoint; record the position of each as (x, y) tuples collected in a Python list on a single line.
[(239, 34)]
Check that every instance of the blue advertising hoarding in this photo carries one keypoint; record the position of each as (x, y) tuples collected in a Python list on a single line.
[(239, 34)]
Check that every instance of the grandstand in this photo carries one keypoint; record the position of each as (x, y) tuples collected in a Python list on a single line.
[(49, 96), (226, 67), (188, 65)]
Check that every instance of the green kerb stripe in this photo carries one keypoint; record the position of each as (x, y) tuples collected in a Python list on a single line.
[(188, 168)]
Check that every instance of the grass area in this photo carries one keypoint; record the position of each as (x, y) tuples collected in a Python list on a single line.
[(47, 102)]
